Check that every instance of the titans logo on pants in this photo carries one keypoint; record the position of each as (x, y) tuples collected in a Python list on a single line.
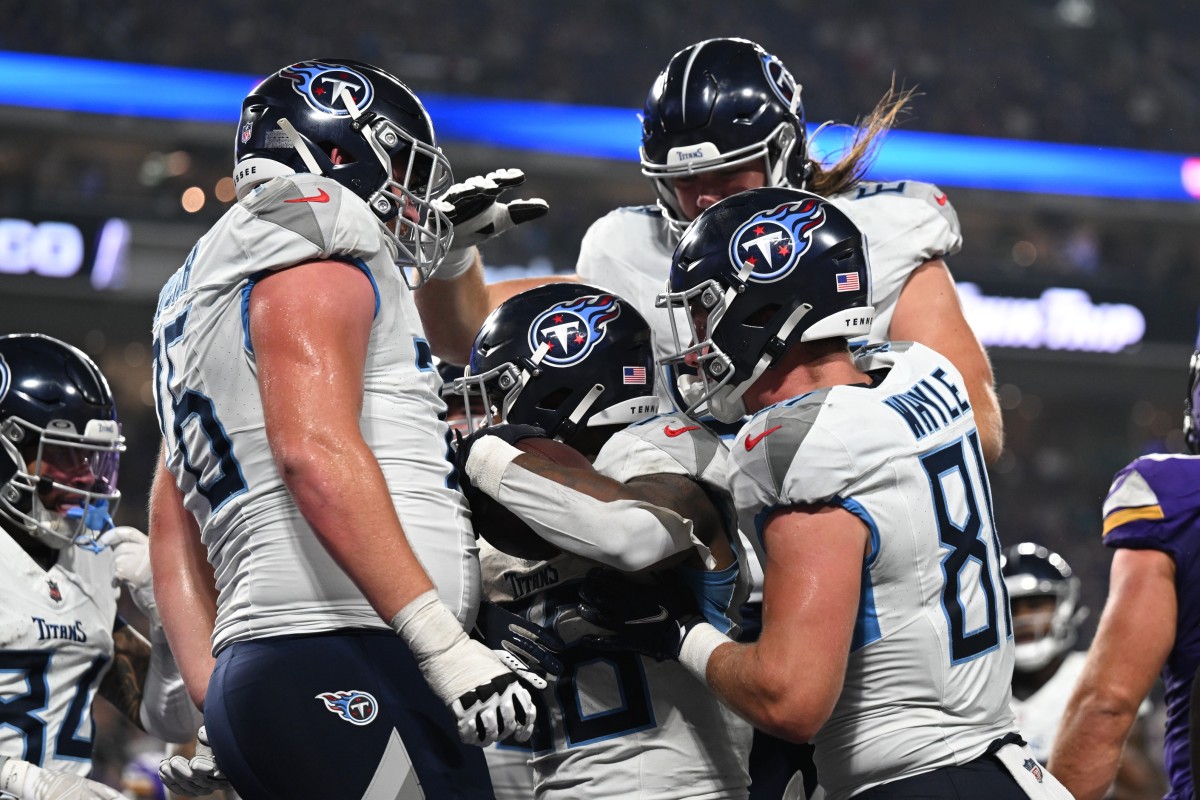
[(571, 330), (771, 242), (321, 85), (357, 708)]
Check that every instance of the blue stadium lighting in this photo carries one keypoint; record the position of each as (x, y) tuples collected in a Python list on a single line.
[(103, 87)]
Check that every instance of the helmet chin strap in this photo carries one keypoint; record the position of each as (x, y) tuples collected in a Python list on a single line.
[(585, 404), (301, 147)]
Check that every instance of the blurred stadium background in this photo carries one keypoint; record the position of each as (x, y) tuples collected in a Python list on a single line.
[(98, 207)]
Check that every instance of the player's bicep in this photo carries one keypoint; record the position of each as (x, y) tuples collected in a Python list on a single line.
[(811, 592), (929, 311), (1136, 630), (310, 326)]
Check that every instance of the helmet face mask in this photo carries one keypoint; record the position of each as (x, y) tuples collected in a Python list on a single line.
[(364, 129), (754, 274), (722, 103), (565, 357), (58, 424), (1045, 603)]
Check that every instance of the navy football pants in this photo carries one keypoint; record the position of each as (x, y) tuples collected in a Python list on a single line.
[(339, 715)]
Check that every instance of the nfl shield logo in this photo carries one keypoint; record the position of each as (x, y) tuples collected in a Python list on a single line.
[(55, 594), (1034, 769), (247, 129)]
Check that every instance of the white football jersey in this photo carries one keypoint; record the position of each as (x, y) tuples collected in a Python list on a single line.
[(273, 575), (1039, 714), (906, 223), (56, 645), (620, 724), (928, 678)]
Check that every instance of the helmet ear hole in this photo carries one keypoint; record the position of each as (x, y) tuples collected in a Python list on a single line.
[(554, 400)]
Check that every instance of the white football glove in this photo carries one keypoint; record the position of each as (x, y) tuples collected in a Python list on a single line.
[(25, 781), (488, 701), (474, 208), (131, 562), (196, 776)]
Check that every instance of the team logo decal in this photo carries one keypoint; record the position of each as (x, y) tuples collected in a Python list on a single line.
[(55, 592), (321, 85), (1034, 769), (781, 81), (771, 242), (357, 708), (572, 329), (5, 378)]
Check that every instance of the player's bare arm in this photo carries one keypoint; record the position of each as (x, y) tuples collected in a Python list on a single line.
[(810, 599), (310, 378), (452, 311), (1135, 635), (124, 683), (928, 311), (186, 592)]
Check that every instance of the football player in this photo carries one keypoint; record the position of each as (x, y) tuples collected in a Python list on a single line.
[(725, 116), (1151, 619), (575, 363), (61, 559), (886, 639), (304, 468)]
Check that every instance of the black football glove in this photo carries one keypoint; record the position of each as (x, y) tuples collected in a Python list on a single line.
[(652, 619), (478, 214), (529, 650)]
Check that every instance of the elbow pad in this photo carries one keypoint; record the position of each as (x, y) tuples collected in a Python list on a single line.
[(627, 535), (167, 711)]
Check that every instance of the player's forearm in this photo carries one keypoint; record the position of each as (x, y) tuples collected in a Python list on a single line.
[(452, 310), (623, 533), (342, 494), (771, 699), (1087, 749), (184, 586), (988, 418)]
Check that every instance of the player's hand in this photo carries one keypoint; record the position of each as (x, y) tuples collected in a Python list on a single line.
[(487, 700), (195, 776), (529, 650), (652, 619), (477, 213), (26, 781), (131, 562)]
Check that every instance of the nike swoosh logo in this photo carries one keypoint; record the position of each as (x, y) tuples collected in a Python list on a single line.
[(941, 199), (673, 432), (752, 441), (319, 197), (659, 617)]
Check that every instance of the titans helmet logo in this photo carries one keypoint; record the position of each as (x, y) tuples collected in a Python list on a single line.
[(321, 85), (357, 708), (781, 81), (571, 330), (771, 242)]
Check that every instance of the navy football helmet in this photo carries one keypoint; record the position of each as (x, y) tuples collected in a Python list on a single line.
[(60, 440), (766, 268), (1032, 572), (565, 357), (359, 126), (1191, 407), (721, 103)]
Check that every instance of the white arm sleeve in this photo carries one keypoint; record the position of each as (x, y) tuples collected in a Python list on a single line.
[(628, 535), (167, 712)]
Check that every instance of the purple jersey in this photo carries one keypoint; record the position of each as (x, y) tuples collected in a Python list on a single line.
[(1154, 503)]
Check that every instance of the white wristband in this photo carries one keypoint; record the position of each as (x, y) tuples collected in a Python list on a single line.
[(487, 462), (698, 647), (455, 263)]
